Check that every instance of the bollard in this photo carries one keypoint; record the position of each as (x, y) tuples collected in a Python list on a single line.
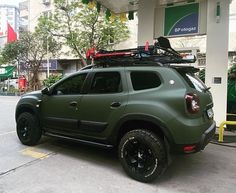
[(221, 129)]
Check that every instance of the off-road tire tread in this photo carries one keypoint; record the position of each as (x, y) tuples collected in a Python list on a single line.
[(154, 141)]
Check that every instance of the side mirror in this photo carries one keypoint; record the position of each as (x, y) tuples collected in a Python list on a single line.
[(45, 91)]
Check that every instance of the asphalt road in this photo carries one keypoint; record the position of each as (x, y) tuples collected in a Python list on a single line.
[(57, 166)]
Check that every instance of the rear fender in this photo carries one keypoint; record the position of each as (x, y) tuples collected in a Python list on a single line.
[(140, 117)]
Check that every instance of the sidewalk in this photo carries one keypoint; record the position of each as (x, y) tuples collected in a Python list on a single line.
[(10, 94), (229, 138)]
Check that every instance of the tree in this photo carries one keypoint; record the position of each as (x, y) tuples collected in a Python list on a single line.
[(51, 80), (39, 46), (13, 52), (80, 28), (1, 60), (201, 74), (31, 49)]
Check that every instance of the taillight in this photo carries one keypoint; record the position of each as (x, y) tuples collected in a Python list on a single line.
[(189, 149), (192, 102)]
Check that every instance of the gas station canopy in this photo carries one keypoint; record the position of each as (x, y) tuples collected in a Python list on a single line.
[(120, 6)]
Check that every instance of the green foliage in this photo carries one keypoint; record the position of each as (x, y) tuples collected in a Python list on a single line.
[(80, 28), (13, 52), (51, 80), (38, 47), (31, 49), (201, 75), (1, 60), (13, 90), (232, 69)]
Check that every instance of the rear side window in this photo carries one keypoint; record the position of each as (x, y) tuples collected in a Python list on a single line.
[(194, 82), (106, 82), (144, 80)]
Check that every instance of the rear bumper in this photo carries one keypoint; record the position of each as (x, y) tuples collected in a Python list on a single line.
[(204, 140), (207, 136)]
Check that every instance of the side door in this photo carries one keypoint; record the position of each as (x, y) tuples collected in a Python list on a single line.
[(104, 103), (59, 109)]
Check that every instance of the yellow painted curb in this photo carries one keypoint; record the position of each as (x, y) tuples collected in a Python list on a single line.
[(35, 154)]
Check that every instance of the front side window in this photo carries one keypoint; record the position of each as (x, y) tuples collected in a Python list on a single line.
[(106, 82), (144, 80), (70, 86)]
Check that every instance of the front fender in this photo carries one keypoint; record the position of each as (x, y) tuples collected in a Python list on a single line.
[(27, 104)]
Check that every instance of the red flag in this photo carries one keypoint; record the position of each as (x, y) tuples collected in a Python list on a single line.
[(11, 34)]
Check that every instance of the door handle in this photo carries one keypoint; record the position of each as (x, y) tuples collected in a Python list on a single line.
[(73, 103), (115, 104)]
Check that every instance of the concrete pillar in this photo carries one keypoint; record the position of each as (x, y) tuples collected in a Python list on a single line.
[(146, 15), (217, 55)]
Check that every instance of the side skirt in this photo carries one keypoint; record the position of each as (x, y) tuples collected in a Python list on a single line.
[(107, 146)]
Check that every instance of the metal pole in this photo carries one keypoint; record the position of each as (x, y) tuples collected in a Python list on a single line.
[(47, 60)]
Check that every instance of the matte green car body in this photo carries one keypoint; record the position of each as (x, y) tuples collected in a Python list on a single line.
[(95, 118)]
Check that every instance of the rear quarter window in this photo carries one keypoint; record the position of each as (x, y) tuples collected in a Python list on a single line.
[(144, 80), (193, 81)]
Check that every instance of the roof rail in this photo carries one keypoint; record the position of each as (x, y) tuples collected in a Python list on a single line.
[(160, 53)]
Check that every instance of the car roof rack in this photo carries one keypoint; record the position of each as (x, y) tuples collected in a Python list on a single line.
[(159, 54)]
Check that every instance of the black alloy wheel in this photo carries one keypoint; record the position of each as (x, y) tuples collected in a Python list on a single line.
[(23, 128), (142, 155), (28, 129)]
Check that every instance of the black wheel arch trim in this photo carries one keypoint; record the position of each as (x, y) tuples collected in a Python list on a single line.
[(31, 107), (142, 117)]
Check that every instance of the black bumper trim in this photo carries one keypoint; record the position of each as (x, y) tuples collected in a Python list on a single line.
[(207, 136), (205, 139)]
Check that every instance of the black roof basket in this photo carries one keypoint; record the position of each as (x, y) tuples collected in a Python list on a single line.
[(160, 53)]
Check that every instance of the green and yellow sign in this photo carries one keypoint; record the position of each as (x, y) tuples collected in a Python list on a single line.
[(7, 72)]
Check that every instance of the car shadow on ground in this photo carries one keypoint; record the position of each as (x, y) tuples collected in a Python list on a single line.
[(95, 155), (184, 168)]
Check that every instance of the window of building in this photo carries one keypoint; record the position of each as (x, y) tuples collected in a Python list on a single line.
[(144, 80), (46, 2), (47, 14)]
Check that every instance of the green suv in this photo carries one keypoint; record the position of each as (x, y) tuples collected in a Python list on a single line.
[(132, 100)]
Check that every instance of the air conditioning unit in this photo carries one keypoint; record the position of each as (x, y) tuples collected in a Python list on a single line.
[(46, 2)]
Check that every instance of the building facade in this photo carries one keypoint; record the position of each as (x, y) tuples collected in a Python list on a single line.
[(31, 10), (9, 15)]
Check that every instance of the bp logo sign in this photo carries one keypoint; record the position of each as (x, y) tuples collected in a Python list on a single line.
[(181, 20)]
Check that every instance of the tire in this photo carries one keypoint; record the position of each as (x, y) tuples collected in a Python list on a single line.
[(142, 155), (28, 129)]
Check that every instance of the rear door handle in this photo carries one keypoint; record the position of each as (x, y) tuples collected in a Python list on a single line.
[(115, 104), (73, 103)]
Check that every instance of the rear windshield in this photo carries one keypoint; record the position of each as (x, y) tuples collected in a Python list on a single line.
[(193, 81)]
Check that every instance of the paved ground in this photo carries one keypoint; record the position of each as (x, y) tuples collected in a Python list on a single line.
[(56, 166)]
